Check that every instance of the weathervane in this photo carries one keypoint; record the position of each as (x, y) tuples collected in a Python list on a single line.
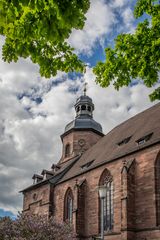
[(85, 88)]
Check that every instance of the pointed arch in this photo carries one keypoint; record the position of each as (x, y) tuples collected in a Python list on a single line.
[(157, 188), (67, 150), (68, 205), (106, 179)]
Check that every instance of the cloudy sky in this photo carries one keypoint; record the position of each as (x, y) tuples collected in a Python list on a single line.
[(34, 110)]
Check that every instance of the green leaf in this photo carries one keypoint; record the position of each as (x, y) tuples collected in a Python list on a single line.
[(134, 55), (39, 29)]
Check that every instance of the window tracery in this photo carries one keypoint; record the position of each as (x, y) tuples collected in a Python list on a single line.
[(68, 206), (106, 179)]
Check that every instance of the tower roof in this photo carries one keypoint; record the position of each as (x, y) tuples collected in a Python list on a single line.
[(129, 137), (84, 108), (84, 122), (84, 99)]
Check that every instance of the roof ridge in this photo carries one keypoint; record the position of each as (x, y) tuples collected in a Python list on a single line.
[(134, 116), (106, 149)]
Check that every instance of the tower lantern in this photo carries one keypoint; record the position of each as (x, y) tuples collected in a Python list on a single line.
[(82, 132)]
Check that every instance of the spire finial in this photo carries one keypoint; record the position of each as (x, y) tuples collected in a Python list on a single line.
[(85, 88)]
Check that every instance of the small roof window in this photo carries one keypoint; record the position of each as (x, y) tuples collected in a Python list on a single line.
[(124, 141), (144, 139), (37, 178), (87, 165)]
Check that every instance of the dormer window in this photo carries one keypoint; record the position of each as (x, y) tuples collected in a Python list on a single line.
[(87, 165), (37, 178), (55, 168), (67, 150), (47, 174), (144, 139), (124, 141)]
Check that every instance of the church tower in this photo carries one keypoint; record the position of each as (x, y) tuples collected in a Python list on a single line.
[(81, 133)]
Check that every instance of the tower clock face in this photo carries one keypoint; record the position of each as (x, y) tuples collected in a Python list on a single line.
[(81, 142)]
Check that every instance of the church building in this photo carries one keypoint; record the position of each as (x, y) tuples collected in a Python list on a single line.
[(125, 162)]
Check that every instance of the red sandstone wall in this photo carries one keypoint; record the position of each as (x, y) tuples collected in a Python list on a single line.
[(145, 207), (91, 199), (143, 210), (72, 138), (38, 204)]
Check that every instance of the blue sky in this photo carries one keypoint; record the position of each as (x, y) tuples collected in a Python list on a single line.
[(34, 111), (4, 213)]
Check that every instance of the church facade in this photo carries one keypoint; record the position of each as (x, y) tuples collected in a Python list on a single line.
[(126, 161)]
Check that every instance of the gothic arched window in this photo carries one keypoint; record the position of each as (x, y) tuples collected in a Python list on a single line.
[(67, 150), (107, 180), (68, 206), (157, 188)]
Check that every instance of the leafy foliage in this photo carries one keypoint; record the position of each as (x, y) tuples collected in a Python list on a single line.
[(39, 29), (27, 227), (135, 55)]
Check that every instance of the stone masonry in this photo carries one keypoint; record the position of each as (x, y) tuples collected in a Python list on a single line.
[(130, 153)]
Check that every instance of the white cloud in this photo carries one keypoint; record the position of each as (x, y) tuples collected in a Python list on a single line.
[(100, 19), (30, 141), (128, 18), (30, 130), (114, 107), (104, 19), (118, 3)]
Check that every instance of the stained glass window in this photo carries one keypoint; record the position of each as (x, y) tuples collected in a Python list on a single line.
[(68, 206), (107, 180)]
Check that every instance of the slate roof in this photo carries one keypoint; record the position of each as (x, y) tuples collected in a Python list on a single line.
[(84, 99), (119, 142), (84, 119), (64, 167), (145, 125), (84, 122)]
